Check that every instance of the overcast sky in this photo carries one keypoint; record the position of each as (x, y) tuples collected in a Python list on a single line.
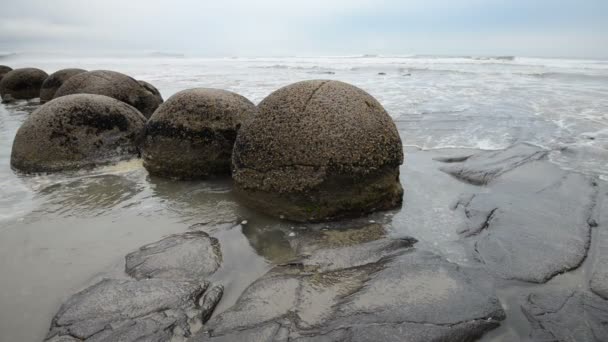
[(559, 28)]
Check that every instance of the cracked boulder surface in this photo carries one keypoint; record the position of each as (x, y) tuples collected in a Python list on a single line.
[(192, 134), (532, 221), (113, 84), (168, 299), (599, 277), (191, 255), (567, 316), (75, 132), (319, 150), (56, 80), (359, 287), (4, 70), (22, 84)]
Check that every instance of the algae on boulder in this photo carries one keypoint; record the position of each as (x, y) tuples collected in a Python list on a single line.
[(77, 131), (115, 85), (22, 84), (319, 150), (55, 81), (192, 134)]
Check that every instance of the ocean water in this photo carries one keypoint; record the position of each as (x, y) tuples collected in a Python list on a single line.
[(60, 232)]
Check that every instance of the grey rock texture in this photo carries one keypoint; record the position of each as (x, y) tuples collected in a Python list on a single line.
[(22, 84), (77, 131), (484, 167), (127, 310), (150, 88), (519, 224), (192, 134), (567, 316), (599, 277), (319, 150), (4, 70), (173, 303), (399, 294), (54, 81), (187, 256), (115, 85)]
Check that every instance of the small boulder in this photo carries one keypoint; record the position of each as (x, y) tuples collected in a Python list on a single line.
[(189, 256), (77, 131), (4, 70), (192, 134), (115, 85), (22, 84), (319, 150), (54, 81)]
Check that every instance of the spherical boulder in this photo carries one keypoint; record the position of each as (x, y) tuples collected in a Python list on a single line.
[(192, 134), (115, 85), (77, 131), (319, 150), (54, 81), (4, 70), (22, 84)]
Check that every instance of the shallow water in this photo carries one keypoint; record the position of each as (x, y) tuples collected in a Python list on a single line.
[(59, 233)]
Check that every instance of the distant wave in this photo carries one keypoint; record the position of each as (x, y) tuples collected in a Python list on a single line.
[(567, 75)]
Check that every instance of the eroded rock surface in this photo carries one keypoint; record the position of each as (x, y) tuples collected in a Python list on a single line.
[(172, 304), (188, 256), (359, 287), (567, 316), (113, 309), (484, 167), (533, 220)]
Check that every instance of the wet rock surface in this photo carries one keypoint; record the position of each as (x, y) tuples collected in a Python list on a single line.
[(4, 70), (356, 287), (115, 85), (192, 255), (482, 168), (192, 134), (173, 303), (599, 277), (114, 309), (319, 150), (567, 316), (520, 224), (77, 131), (56, 80), (22, 84)]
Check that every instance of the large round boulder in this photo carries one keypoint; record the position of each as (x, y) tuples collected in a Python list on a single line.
[(4, 70), (56, 80), (319, 150), (22, 84), (192, 134), (115, 85), (77, 131)]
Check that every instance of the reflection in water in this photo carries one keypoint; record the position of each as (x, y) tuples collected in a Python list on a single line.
[(197, 202), (89, 196)]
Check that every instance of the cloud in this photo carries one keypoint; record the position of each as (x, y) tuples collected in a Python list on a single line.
[(270, 27)]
